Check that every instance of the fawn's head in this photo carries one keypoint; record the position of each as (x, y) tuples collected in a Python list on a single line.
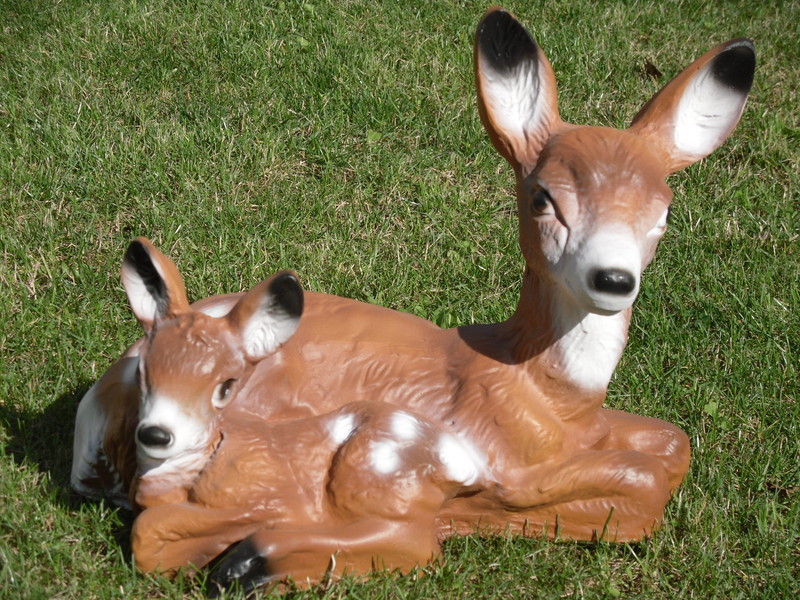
[(593, 201), (192, 364)]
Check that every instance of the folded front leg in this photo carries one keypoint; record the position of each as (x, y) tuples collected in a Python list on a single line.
[(170, 536), (662, 440), (612, 494), (307, 555)]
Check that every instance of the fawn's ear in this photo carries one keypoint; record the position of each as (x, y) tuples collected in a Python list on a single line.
[(695, 112), (269, 314), (155, 288), (516, 88)]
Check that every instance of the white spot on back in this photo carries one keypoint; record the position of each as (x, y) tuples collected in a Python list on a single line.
[(341, 428), (384, 456), (404, 426), (460, 459)]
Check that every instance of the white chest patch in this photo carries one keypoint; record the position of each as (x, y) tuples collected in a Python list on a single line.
[(588, 351)]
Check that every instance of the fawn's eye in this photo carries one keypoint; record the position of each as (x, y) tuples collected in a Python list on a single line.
[(222, 393), (541, 201)]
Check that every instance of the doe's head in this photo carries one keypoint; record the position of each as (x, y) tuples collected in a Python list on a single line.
[(191, 364), (593, 201)]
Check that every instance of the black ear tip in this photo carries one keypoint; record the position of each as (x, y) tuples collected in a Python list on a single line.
[(138, 258), (503, 41), (136, 253), (494, 19), (735, 66), (287, 293)]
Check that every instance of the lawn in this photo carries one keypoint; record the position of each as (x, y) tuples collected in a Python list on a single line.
[(341, 139)]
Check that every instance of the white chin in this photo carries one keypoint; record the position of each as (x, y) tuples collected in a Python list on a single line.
[(153, 455), (599, 303), (607, 305)]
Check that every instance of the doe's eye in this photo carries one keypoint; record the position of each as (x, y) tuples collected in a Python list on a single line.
[(222, 393), (541, 201), (141, 378), (661, 225)]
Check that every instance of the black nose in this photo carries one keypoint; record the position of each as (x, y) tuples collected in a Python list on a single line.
[(613, 281), (153, 436)]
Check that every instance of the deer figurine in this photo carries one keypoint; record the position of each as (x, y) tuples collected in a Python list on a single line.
[(365, 481), (128, 440), (499, 427)]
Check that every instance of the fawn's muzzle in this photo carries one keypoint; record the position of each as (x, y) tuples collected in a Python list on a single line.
[(154, 436)]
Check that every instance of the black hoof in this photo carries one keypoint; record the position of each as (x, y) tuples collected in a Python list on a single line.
[(243, 568)]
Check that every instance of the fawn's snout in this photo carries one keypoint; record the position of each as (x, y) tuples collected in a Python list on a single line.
[(168, 430), (154, 436)]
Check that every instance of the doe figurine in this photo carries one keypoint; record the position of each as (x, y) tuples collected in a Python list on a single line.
[(356, 436)]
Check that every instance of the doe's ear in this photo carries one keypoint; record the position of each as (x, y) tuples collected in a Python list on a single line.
[(155, 288), (268, 314), (516, 88), (695, 112)]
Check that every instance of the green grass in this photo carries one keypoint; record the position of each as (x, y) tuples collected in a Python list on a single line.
[(341, 139)]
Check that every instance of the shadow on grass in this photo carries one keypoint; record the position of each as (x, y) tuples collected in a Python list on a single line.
[(44, 440)]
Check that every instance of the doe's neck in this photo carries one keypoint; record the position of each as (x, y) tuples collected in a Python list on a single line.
[(563, 342)]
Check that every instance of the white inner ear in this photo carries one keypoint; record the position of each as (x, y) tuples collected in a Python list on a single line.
[(511, 99), (707, 111), (266, 330), (142, 303)]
